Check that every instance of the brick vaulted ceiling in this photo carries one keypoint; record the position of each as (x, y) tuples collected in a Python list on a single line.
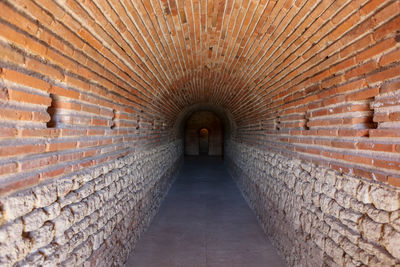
[(243, 55), (291, 74), (94, 93)]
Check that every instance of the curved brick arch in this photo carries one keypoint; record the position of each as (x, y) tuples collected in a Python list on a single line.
[(204, 119), (226, 118), (94, 96)]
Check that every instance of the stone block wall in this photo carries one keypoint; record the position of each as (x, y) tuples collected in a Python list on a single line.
[(85, 83), (93, 218), (317, 216)]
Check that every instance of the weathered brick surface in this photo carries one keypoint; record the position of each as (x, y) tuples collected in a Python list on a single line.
[(316, 216), (84, 83), (296, 73)]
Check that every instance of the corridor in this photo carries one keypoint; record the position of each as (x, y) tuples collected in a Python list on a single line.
[(204, 221), (100, 102)]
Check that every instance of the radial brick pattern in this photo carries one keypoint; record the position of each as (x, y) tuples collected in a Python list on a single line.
[(316, 77), (86, 83)]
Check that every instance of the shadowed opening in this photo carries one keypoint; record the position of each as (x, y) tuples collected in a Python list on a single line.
[(203, 141), (203, 134)]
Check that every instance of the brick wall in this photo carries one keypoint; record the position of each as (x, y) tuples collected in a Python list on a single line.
[(64, 99), (331, 87), (86, 155), (84, 83), (319, 78)]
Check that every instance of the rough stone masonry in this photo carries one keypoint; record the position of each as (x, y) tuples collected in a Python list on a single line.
[(92, 99), (93, 217), (316, 216)]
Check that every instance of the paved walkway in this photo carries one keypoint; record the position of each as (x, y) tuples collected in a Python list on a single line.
[(204, 221)]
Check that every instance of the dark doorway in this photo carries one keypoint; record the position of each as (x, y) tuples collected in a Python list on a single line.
[(203, 141), (204, 134)]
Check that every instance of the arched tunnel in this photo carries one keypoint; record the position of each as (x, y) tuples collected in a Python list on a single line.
[(200, 133)]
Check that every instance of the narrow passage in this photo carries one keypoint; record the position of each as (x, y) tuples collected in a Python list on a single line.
[(204, 221)]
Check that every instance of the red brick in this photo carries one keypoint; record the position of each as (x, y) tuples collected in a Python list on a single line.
[(79, 84), (364, 94), (70, 156), (35, 47), (364, 120), (387, 164), (6, 13), (359, 45), (381, 117), (327, 132), (8, 168), (15, 184), (88, 143), (39, 132), (390, 87), (40, 116), (91, 153), (86, 164), (61, 146), (91, 109), (362, 173), (338, 167), (11, 56), (90, 39), (343, 65), (30, 98), (56, 172), (64, 92), (390, 58), (99, 122), (110, 141), (344, 145), (375, 146), (376, 49), (44, 69), (384, 133), (300, 67), (95, 132), (13, 36), (8, 151), (370, 6), (61, 60), (15, 114), (362, 70), (353, 132), (24, 79), (384, 75), (395, 181), (358, 159), (38, 162), (66, 105), (387, 29), (395, 116), (74, 132), (346, 25), (8, 132), (378, 176), (389, 11)]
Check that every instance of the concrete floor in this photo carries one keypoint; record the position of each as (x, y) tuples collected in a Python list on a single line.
[(204, 221)]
